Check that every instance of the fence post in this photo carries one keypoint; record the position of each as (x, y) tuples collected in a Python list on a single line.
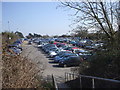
[(53, 81), (70, 76), (93, 83), (80, 82), (73, 76), (65, 77)]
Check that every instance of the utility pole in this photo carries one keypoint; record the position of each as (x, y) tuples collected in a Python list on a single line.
[(9, 31)]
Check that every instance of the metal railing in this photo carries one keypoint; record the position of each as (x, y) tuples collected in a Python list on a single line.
[(93, 80)]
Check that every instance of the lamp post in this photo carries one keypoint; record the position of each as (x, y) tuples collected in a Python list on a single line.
[(9, 38), (8, 26)]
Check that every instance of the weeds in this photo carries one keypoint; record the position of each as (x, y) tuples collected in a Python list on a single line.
[(18, 72)]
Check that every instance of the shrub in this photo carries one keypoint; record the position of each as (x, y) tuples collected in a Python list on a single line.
[(104, 64)]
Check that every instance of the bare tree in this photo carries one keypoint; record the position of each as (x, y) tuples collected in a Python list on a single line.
[(99, 15), (81, 31)]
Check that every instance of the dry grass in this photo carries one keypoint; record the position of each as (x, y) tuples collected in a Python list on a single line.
[(0, 61), (18, 72)]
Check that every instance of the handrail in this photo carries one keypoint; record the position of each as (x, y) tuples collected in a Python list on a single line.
[(68, 78), (112, 80)]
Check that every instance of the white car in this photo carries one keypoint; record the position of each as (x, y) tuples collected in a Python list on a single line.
[(52, 53), (40, 45)]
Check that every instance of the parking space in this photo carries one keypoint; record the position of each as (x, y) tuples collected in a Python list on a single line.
[(56, 56)]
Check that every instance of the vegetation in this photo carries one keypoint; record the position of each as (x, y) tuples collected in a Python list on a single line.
[(30, 35), (18, 71), (19, 34), (103, 64), (7, 39), (81, 31), (103, 17), (100, 15)]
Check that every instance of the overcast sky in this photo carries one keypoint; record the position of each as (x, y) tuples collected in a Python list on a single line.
[(36, 17)]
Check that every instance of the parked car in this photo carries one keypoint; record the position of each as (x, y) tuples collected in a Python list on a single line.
[(60, 57), (41, 45), (15, 50), (52, 54), (73, 43), (71, 61), (15, 45), (47, 47), (85, 54), (29, 42)]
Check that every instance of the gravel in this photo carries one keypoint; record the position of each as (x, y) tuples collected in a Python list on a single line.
[(38, 57)]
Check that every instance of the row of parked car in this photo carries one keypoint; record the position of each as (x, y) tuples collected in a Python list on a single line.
[(15, 48), (62, 57), (63, 53), (76, 41), (84, 43)]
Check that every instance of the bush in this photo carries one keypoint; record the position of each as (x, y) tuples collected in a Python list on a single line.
[(104, 64), (18, 72)]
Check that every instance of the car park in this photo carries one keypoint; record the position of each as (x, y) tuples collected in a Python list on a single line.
[(61, 49)]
